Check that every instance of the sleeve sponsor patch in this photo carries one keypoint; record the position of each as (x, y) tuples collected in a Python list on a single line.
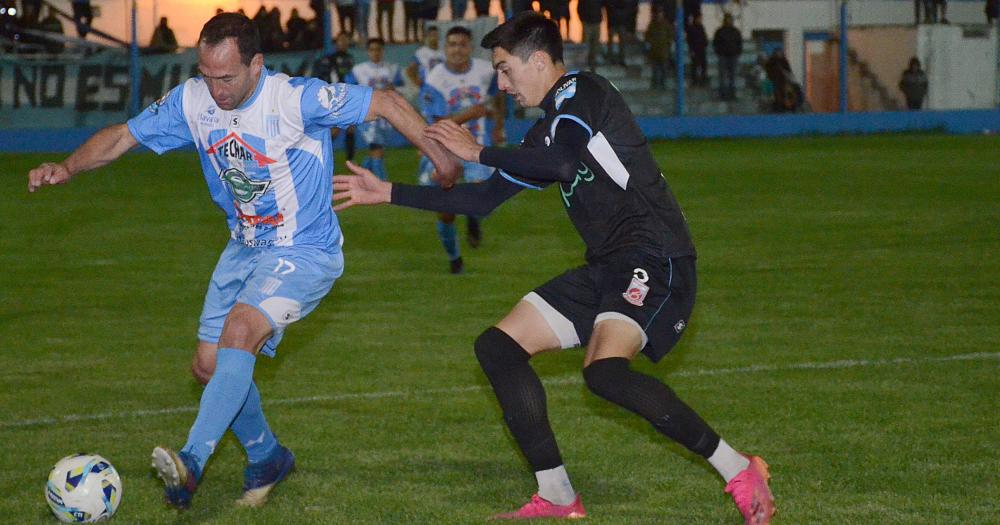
[(565, 92)]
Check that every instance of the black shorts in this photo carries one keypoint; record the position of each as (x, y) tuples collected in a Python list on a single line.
[(654, 293)]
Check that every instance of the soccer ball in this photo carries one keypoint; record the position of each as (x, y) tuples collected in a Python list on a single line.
[(83, 488)]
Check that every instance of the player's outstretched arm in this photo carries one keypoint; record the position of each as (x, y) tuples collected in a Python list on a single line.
[(103, 147), (394, 108), (361, 188)]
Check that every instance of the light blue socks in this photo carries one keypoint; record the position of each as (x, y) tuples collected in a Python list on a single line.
[(223, 398)]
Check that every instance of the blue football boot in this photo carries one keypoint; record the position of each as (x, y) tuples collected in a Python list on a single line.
[(260, 478), (179, 473)]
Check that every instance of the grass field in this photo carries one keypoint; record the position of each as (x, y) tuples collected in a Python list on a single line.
[(847, 329)]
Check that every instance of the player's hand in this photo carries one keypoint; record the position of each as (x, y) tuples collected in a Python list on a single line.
[(47, 173), (361, 188), (455, 138), (445, 182)]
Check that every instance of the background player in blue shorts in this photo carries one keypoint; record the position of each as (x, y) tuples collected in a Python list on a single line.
[(463, 90), (636, 291), (376, 73), (265, 148)]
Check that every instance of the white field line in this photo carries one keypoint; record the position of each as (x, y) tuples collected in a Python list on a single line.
[(574, 380)]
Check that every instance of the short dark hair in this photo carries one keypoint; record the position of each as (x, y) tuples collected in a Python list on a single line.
[(525, 33), (459, 30), (375, 40), (232, 25)]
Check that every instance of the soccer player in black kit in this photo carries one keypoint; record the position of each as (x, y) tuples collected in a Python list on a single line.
[(635, 292)]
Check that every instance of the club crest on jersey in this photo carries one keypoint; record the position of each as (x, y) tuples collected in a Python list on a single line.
[(155, 106), (233, 147), (565, 91), (332, 95), (243, 188), (637, 289)]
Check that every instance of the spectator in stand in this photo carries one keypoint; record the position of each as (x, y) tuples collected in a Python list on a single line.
[(163, 40), (296, 31), (411, 20), (659, 37), (83, 15), (779, 72), (591, 16), (992, 11), (429, 11), (345, 16), (516, 6), (31, 10), (458, 8), (913, 84), (52, 24), (728, 45), (697, 41), (483, 8), (362, 16), (692, 9), (383, 8), (940, 6), (621, 27), (557, 10), (276, 34)]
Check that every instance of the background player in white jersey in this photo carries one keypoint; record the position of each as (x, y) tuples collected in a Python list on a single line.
[(376, 73), (264, 143), (425, 57), (462, 89)]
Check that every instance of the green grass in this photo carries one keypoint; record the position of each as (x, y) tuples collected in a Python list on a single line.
[(877, 254)]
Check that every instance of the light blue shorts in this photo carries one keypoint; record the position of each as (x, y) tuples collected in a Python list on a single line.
[(471, 172), (284, 283)]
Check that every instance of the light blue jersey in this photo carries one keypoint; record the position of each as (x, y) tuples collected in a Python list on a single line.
[(269, 167), (376, 76), (446, 92), (268, 163)]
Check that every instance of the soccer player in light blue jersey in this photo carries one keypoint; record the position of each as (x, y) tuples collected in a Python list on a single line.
[(264, 143), (462, 89), (376, 73)]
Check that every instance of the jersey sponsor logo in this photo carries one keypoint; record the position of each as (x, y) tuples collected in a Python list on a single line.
[(262, 220), (582, 175), (332, 95), (208, 117), (637, 288), (243, 188), (233, 147), (565, 92)]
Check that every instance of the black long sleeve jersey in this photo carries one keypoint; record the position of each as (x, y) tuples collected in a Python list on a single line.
[(589, 144)]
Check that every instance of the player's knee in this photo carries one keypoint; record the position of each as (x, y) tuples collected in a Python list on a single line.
[(496, 350), (607, 378)]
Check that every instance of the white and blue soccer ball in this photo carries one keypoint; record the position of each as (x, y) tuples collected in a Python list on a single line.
[(83, 488)]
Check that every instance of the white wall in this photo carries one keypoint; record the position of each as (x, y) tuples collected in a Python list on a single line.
[(955, 67)]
